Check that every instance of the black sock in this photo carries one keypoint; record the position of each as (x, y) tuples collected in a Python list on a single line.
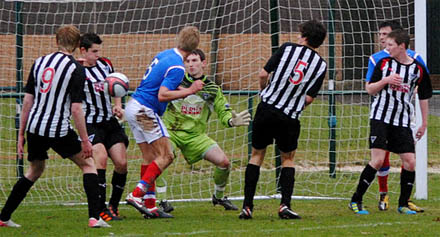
[(406, 185), (102, 183), (287, 182), (367, 177), (90, 182), (16, 196), (250, 185), (118, 184)]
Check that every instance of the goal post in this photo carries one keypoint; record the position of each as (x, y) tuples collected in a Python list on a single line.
[(421, 190), (237, 37)]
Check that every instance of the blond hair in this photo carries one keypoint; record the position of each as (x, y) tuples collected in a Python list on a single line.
[(68, 38), (188, 39)]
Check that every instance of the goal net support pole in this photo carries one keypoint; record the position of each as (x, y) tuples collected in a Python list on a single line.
[(421, 145)]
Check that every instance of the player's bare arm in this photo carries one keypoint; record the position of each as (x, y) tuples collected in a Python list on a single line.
[(374, 87), (309, 100), (263, 75), (80, 124), (117, 109), (166, 94), (28, 101), (424, 108)]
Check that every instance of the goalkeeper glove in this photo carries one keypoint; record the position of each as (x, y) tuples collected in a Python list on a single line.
[(241, 119)]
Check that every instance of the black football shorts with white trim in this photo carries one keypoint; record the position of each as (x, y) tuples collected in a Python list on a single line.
[(107, 133), (391, 138), (269, 123), (66, 146)]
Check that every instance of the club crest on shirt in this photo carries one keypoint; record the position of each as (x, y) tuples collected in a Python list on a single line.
[(98, 86), (373, 138)]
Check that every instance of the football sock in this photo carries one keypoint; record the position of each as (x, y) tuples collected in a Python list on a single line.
[(17, 195), (250, 184), (221, 176), (161, 186), (102, 186), (139, 190), (150, 196), (287, 182), (367, 177), (382, 174), (143, 170), (151, 173), (90, 183), (148, 180), (118, 185), (406, 185)]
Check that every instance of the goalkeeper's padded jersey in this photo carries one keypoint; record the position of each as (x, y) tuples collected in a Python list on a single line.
[(191, 114), (166, 69)]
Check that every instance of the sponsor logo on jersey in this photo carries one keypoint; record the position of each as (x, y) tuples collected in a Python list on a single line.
[(193, 109), (402, 88)]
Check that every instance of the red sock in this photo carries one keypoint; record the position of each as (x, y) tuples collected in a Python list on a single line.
[(143, 169), (150, 197), (383, 185), (383, 179), (151, 173), (138, 192)]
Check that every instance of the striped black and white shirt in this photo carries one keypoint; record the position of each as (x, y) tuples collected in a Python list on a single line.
[(297, 71), (97, 104), (56, 81), (392, 104)]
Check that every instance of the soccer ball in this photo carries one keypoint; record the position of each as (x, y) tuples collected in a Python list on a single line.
[(116, 84)]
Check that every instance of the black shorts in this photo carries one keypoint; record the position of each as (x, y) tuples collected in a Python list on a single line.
[(391, 138), (107, 133), (66, 146), (269, 123)]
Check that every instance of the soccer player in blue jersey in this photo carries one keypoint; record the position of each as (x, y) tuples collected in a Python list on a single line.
[(160, 85), (384, 29)]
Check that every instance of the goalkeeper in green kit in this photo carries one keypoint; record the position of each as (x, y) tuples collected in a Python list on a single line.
[(186, 120)]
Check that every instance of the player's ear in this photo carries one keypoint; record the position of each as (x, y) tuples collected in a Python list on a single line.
[(82, 50), (204, 63)]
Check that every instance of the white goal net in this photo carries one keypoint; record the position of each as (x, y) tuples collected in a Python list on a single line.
[(238, 37)]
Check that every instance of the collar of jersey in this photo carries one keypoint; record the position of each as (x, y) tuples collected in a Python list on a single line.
[(191, 79)]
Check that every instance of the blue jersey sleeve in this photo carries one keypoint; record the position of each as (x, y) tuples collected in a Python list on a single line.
[(420, 60), (370, 70), (173, 77)]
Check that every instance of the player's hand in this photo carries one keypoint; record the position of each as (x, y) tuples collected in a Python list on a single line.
[(394, 79), (146, 122), (241, 119), (420, 132), (87, 150), (196, 86), (20, 146), (119, 113)]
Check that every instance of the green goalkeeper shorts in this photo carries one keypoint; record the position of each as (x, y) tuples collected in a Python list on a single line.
[(193, 147)]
